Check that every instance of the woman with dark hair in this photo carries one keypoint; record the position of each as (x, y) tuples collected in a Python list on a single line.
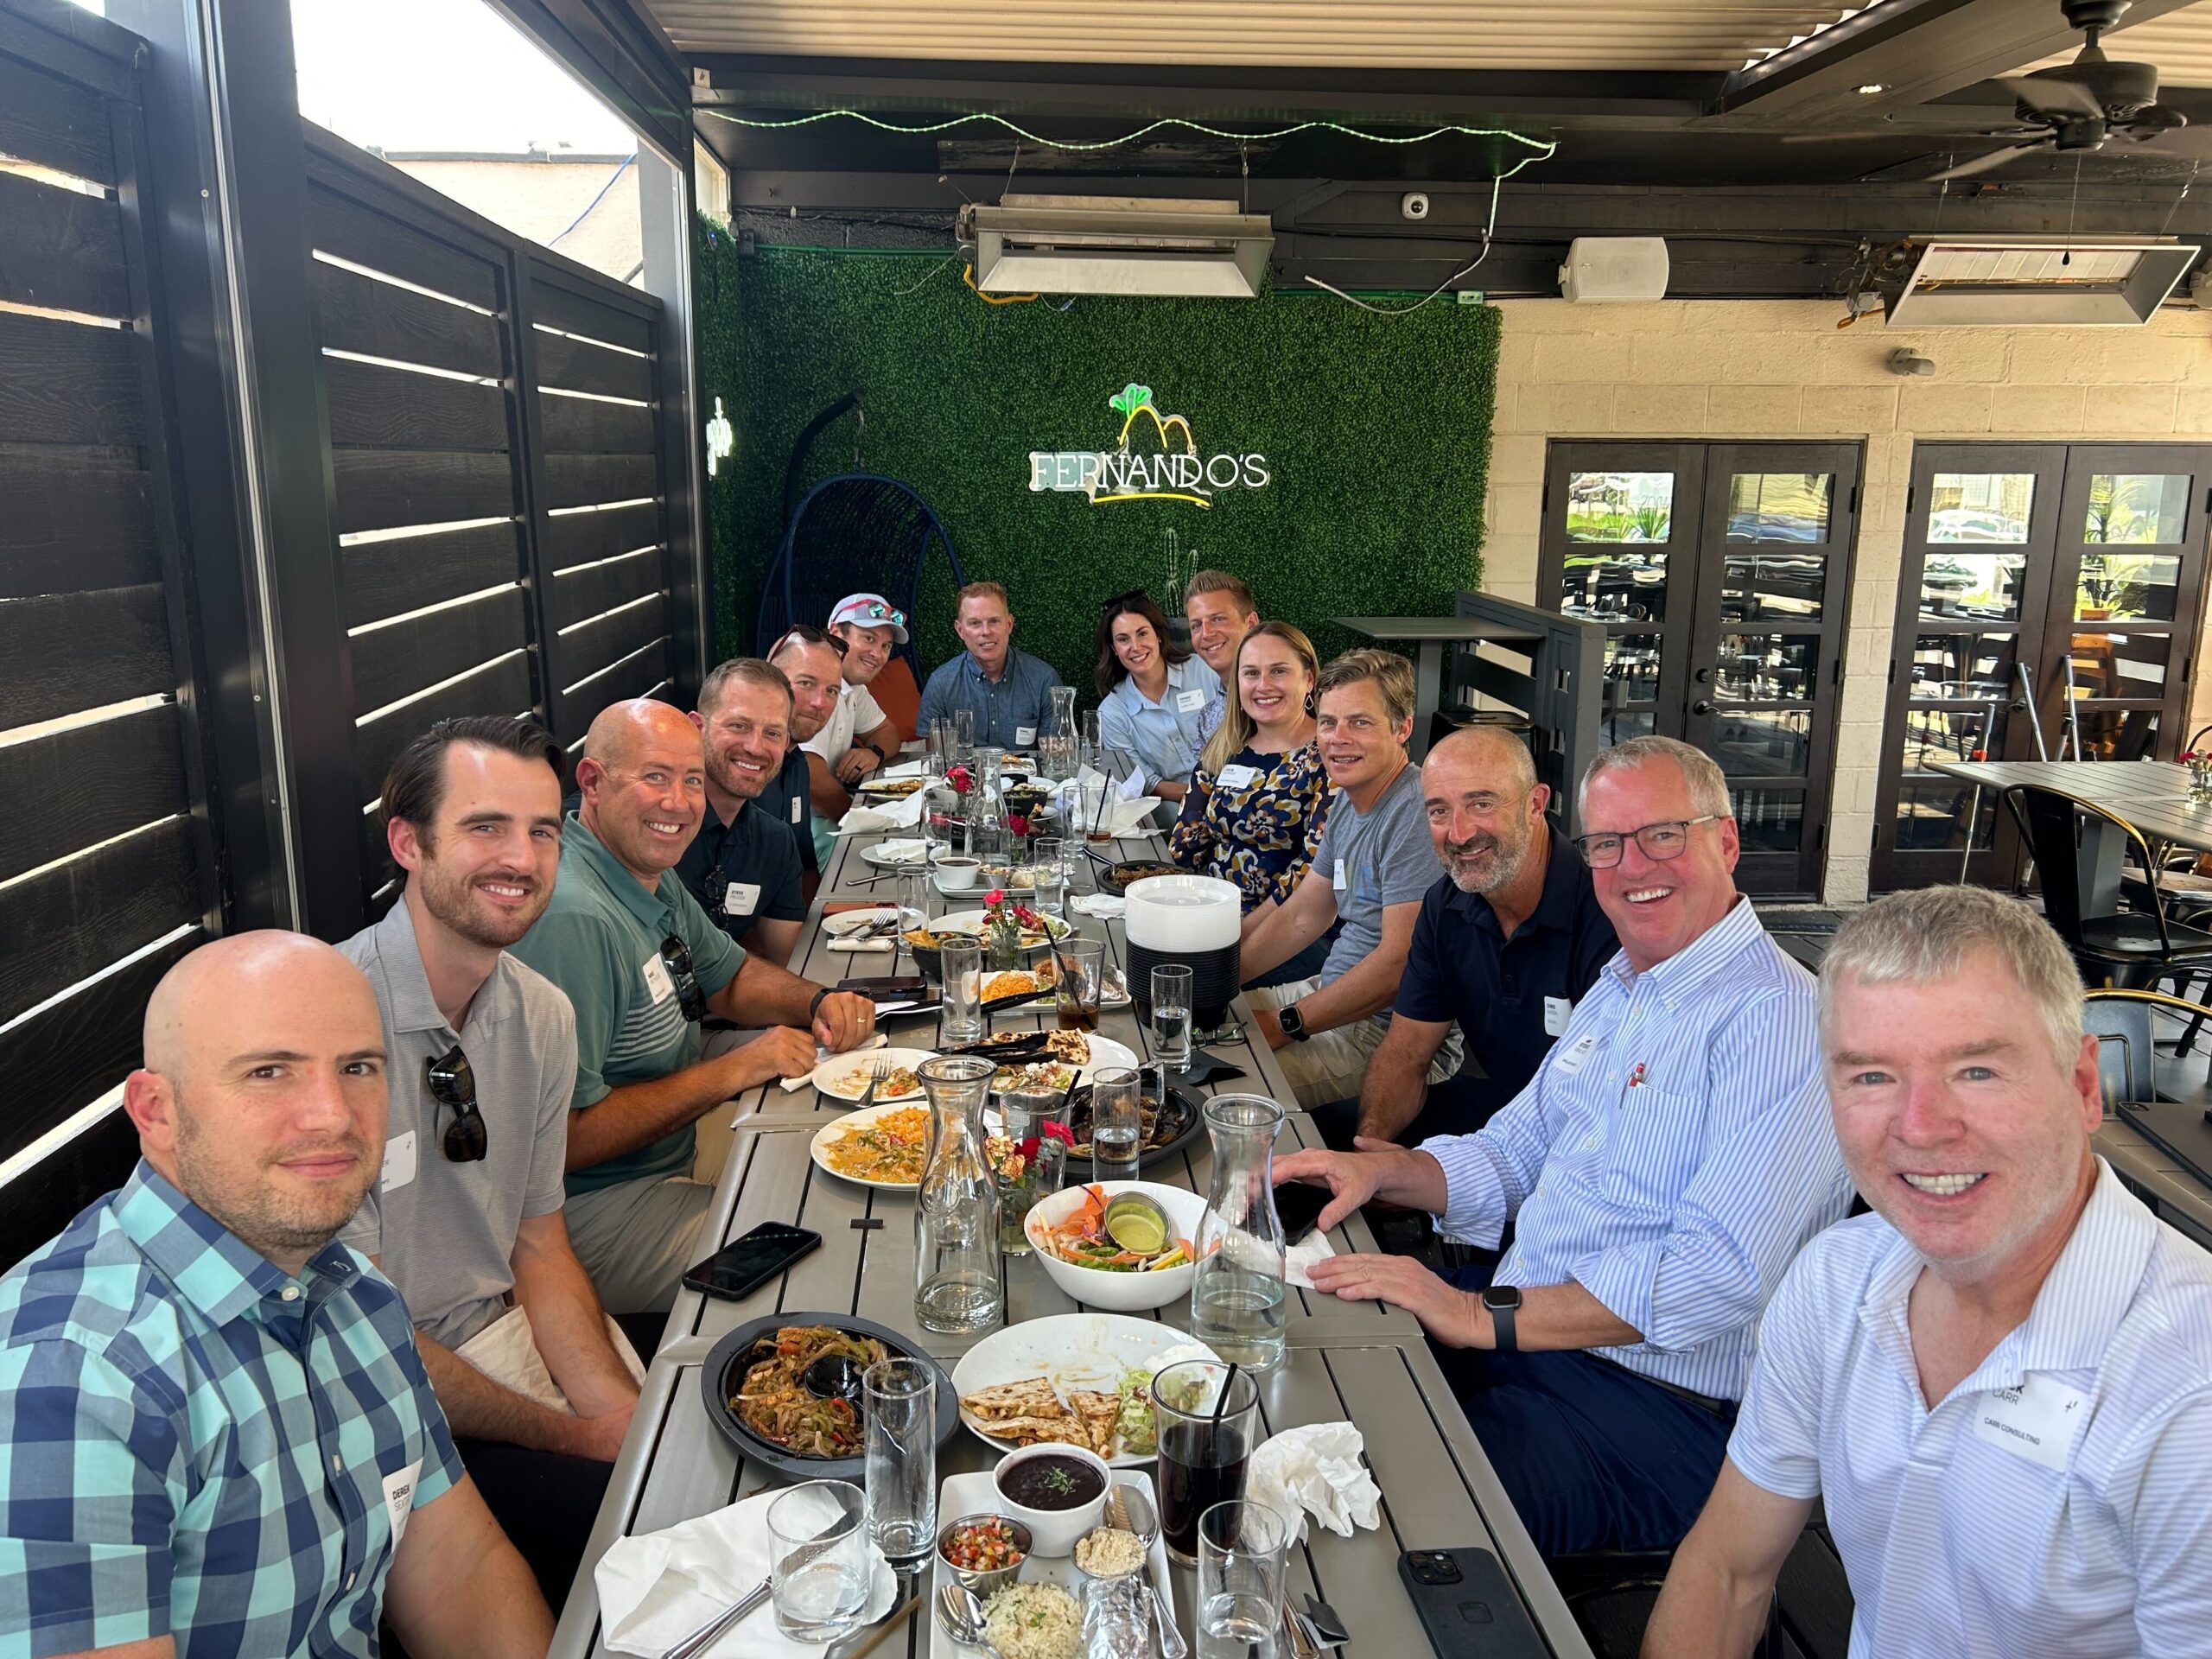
[(1154, 700), (1253, 813)]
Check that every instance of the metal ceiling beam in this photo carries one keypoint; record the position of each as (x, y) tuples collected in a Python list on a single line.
[(1913, 50), (1202, 92)]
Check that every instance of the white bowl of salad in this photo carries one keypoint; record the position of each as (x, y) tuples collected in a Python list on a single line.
[(1127, 1274)]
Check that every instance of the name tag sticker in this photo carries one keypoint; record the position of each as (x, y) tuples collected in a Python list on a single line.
[(1572, 1059), (1338, 883), (658, 985), (740, 898), (799, 810), (1237, 777), (399, 1499), (398, 1162), (1556, 1010), (2037, 1421), (1024, 736), (1190, 702)]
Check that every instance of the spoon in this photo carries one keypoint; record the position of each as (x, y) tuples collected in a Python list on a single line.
[(961, 1614), (1135, 1508), (834, 1376)]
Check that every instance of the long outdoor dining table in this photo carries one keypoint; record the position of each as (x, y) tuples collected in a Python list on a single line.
[(1358, 1362)]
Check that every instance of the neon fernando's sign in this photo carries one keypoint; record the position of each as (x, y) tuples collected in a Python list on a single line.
[(1169, 473)]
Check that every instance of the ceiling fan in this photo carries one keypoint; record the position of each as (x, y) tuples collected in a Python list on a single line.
[(2085, 104)]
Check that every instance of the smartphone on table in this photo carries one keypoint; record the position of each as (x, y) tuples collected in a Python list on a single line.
[(743, 1265), (1301, 1207)]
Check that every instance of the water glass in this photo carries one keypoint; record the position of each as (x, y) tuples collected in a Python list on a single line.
[(1205, 1445), (1170, 1015), (1081, 980), (1093, 752), (1241, 1549), (1028, 1163), (960, 1020), (899, 1401), (1116, 1123), (820, 1562), (1049, 882), (963, 735), (915, 885)]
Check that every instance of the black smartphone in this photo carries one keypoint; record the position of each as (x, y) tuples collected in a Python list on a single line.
[(1468, 1606), (1301, 1207), (743, 1265)]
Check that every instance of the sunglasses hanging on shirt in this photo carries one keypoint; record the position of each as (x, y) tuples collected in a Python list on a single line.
[(675, 957), (453, 1085)]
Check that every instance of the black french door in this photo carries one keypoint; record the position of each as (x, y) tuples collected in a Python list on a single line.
[(2047, 608), (1721, 573)]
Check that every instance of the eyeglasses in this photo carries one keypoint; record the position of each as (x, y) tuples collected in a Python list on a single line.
[(876, 609), (675, 957), (1660, 842), (807, 634), (453, 1085), (1133, 594)]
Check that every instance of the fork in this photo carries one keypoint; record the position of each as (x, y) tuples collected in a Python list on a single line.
[(877, 1074)]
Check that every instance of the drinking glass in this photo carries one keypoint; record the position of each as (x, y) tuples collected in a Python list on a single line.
[(819, 1561), (1048, 882), (1116, 1123), (960, 1020), (941, 740), (1095, 809), (1028, 1163), (1202, 1453), (963, 735), (1241, 1548), (914, 887), (1170, 1015), (1093, 746), (1082, 977), (898, 1397)]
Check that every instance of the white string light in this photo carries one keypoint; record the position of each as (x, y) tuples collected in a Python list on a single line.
[(1544, 145)]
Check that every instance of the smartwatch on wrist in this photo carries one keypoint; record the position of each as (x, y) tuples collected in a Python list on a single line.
[(815, 1006), (1502, 1301), (1292, 1023)]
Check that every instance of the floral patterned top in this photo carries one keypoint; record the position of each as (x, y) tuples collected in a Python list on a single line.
[(1259, 829)]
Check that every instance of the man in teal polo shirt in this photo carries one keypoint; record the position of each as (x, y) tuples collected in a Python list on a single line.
[(643, 965)]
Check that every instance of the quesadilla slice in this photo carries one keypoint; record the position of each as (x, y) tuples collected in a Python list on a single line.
[(1033, 1431), (1033, 1396), (1096, 1411)]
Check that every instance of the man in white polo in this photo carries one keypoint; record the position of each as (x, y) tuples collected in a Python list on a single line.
[(2001, 1381)]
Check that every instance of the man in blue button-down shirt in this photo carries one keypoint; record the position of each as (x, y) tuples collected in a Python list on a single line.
[(216, 1437), (1008, 691), (1660, 1171)]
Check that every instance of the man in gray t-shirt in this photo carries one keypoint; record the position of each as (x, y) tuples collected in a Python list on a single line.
[(1373, 865)]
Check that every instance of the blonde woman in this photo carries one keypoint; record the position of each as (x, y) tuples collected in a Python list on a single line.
[(1255, 810)]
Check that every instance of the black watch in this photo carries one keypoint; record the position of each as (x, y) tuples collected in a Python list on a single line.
[(1502, 1301), (1292, 1023), (815, 1006)]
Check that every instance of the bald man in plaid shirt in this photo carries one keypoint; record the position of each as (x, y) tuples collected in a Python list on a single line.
[(216, 1437)]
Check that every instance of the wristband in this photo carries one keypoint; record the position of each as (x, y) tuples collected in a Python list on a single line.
[(815, 1006)]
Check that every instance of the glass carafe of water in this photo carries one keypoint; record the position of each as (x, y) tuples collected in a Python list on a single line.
[(957, 1287), (1237, 1295), (1057, 744)]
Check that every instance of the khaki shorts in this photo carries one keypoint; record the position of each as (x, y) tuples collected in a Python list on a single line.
[(637, 1238), (1331, 1065)]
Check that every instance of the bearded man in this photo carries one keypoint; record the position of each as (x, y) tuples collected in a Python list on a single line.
[(1507, 942)]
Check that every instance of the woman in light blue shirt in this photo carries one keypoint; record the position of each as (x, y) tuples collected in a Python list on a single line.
[(1155, 700)]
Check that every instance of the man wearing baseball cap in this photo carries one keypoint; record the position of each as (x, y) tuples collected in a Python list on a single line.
[(858, 737)]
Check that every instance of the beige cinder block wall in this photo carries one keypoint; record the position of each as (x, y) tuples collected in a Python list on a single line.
[(1762, 369)]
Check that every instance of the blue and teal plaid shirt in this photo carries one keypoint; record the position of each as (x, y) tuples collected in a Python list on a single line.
[(194, 1444)]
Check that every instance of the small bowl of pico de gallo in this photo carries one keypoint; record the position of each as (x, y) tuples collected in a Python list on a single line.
[(983, 1552)]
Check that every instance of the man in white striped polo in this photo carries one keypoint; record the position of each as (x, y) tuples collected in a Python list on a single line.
[(2001, 1381), (1668, 1159)]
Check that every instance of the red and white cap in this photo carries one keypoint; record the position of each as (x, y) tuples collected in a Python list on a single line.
[(870, 611)]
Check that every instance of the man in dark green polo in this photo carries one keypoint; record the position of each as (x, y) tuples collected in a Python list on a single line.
[(644, 964)]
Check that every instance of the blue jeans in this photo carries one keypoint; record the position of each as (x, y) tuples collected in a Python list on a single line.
[(1594, 1456)]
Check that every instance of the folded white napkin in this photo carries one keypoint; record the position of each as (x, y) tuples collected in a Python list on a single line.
[(657, 1589), (1298, 1261), (793, 1086), (1131, 786), (505, 1352), (861, 947), (1313, 1470), (902, 814), (903, 852), (1104, 905), (1130, 817)]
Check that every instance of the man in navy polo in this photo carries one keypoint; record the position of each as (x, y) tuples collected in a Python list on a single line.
[(1507, 941)]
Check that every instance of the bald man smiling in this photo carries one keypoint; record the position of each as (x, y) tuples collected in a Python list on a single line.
[(216, 1435), (644, 964)]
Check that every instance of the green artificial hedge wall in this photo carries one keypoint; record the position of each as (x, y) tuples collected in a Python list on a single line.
[(1375, 432)]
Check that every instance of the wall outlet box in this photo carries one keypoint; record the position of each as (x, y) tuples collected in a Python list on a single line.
[(1471, 297)]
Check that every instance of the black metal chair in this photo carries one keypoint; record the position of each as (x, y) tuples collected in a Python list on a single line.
[(2125, 1024), (2130, 947)]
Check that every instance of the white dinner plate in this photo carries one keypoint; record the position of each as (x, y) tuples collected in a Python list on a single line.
[(1073, 1350), (838, 1127), (857, 921), (832, 1076), (971, 921)]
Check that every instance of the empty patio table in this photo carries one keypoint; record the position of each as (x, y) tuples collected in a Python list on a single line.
[(1359, 1361)]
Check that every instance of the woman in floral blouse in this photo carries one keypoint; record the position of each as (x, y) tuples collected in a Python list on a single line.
[(1254, 812)]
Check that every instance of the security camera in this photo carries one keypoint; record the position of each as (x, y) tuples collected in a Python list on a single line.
[(1414, 205)]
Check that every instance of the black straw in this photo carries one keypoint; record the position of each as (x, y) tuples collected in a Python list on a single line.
[(1227, 1383)]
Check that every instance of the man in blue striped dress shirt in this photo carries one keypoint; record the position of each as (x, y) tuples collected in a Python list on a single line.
[(2001, 1381), (1661, 1170)]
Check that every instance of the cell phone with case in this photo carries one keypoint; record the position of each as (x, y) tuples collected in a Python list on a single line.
[(1468, 1606), (745, 1263)]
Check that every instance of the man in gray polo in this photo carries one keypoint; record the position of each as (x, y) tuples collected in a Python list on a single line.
[(466, 1218)]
